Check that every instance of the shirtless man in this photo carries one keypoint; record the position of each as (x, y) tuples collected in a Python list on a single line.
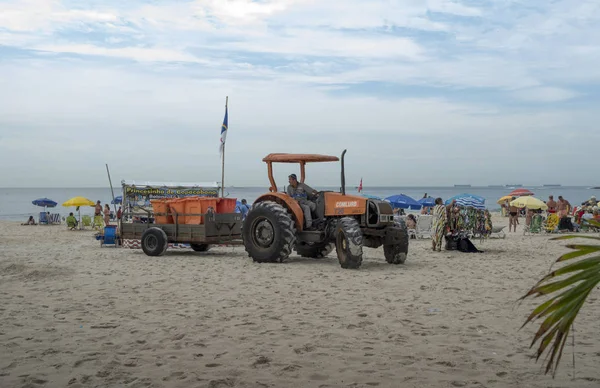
[(513, 216), (563, 207), (551, 204)]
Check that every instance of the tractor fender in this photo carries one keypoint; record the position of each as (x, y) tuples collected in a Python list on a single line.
[(287, 202)]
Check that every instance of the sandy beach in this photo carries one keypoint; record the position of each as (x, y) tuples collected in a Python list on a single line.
[(78, 315)]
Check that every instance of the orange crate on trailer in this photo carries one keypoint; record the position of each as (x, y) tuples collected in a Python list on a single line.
[(198, 205), (177, 205), (226, 205), (161, 206)]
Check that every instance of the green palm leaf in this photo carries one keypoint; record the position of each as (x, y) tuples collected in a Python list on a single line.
[(569, 288)]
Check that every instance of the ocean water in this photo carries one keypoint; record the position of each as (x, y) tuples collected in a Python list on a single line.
[(15, 203)]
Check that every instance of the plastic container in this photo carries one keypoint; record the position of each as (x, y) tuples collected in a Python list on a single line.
[(161, 206), (198, 205), (177, 205), (226, 205)]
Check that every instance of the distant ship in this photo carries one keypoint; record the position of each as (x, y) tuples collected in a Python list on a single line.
[(551, 185), (512, 186), (595, 188), (462, 185)]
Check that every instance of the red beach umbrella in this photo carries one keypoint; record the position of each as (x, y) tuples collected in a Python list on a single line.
[(520, 193)]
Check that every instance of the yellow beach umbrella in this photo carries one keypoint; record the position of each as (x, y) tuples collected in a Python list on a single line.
[(529, 202), (78, 201), (505, 198)]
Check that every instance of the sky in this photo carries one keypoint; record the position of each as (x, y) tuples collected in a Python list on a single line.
[(419, 92)]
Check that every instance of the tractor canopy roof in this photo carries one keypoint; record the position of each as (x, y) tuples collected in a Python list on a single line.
[(299, 158)]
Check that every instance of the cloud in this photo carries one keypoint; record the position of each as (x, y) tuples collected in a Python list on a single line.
[(434, 83)]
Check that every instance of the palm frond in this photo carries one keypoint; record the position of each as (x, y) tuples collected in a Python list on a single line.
[(568, 296)]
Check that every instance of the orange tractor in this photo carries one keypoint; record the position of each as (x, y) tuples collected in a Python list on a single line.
[(274, 226)]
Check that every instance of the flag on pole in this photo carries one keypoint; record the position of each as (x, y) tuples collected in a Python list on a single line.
[(223, 132), (360, 186)]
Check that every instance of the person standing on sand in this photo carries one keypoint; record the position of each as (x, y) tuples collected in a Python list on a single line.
[(106, 215), (98, 209), (439, 222), (551, 205), (563, 207), (513, 216)]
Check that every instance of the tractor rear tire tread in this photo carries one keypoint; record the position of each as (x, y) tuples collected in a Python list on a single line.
[(285, 232)]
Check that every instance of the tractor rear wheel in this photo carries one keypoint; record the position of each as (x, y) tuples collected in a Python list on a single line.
[(349, 243), (154, 241), (315, 250), (269, 232), (200, 247), (396, 254)]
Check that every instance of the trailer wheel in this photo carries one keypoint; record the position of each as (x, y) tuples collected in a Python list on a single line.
[(154, 242), (200, 247)]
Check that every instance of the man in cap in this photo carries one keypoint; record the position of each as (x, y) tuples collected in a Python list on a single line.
[(302, 193)]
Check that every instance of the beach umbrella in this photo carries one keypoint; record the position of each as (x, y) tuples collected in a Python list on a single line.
[(370, 196), (117, 201), (403, 201), (529, 202), (427, 202), (79, 201), (44, 202), (466, 196), (520, 193), (470, 202), (505, 198)]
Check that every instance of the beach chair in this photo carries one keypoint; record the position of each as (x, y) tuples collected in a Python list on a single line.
[(536, 225), (98, 222), (55, 219), (43, 218), (424, 223), (498, 231), (71, 223), (551, 223), (86, 221), (110, 236)]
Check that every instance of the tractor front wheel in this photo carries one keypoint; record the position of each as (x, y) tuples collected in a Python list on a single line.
[(349, 243), (269, 232), (396, 253)]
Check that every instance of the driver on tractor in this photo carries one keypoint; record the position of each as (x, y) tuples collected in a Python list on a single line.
[(302, 193)]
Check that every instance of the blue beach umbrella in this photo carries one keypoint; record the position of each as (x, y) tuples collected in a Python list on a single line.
[(466, 196), (427, 202), (44, 202), (117, 201), (470, 202), (403, 201), (370, 196)]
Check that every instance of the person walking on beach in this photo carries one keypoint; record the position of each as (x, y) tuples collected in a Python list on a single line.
[(513, 216), (563, 207), (439, 221), (551, 205)]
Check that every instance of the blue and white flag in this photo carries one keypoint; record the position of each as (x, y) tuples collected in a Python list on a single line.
[(223, 132)]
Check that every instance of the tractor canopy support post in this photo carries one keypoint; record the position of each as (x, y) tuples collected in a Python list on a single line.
[(273, 187), (343, 188), (302, 171)]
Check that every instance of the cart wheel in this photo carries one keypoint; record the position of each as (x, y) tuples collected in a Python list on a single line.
[(154, 242)]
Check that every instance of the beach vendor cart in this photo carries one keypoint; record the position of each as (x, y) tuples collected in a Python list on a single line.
[(159, 215)]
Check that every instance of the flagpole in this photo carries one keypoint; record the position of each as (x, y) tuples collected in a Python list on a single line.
[(223, 157)]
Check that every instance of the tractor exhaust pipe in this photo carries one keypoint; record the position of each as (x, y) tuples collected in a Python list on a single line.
[(343, 188)]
